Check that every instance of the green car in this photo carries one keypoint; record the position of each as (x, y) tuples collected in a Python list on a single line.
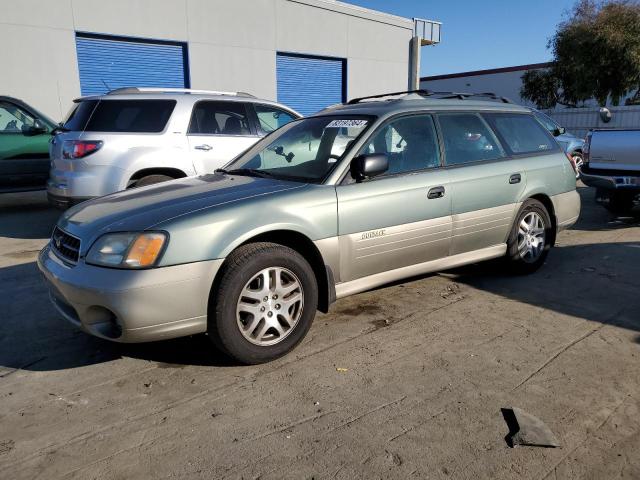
[(354, 197), (24, 146)]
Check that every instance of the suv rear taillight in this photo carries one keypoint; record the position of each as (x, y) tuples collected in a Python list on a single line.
[(80, 148)]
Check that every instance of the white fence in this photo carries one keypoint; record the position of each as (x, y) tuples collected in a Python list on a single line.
[(580, 120)]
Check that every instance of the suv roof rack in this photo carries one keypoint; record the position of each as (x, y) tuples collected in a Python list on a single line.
[(124, 90), (432, 94)]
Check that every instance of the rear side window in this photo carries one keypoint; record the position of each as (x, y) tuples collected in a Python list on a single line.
[(130, 116), (219, 118), (271, 118), (521, 134), (467, 139)]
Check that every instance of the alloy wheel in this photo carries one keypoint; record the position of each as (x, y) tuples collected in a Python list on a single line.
[(270, 306), (531, 237)]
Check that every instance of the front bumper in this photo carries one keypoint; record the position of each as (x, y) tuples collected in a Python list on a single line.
[(130, 306)]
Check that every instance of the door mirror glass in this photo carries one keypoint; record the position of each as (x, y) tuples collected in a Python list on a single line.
[(368, 166)]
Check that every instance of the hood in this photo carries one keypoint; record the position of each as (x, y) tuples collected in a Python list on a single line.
[(142, 208)]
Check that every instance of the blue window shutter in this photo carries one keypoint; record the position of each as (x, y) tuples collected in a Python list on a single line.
[(105, 64), (309, 84)]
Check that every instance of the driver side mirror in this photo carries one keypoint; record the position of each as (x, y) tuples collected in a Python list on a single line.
[(368, 166), (559, 131)]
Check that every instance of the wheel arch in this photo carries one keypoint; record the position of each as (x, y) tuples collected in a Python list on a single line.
[(168, 171), (548, 204), (302, 244)]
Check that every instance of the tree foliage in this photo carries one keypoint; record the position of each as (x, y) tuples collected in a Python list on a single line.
[(596, 54)]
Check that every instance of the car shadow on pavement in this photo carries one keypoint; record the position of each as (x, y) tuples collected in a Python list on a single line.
[(16, 208), (594, 217), (596, 282), (34, 337)]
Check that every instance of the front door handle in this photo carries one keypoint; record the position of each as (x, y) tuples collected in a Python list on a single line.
[(204, 147), (436, 192), (515, 178)]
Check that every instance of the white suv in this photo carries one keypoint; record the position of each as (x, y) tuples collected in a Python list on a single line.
[(133, 137)]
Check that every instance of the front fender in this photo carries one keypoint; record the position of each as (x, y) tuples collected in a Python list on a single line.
[(215, 232)]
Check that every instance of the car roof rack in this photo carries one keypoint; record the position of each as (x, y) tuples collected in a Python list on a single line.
[(432, 94), (424, 93), (125, 90)]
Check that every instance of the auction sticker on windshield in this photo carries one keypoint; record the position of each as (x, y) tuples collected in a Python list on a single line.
[(347, 124)]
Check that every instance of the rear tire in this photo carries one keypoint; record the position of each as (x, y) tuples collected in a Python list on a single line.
[(151, 180), (530, 238), (264, 303)]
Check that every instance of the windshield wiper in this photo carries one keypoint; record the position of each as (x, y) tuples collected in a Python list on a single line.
[(250, 172)]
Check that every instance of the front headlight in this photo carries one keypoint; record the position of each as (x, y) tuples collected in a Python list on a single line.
[(127, 250)]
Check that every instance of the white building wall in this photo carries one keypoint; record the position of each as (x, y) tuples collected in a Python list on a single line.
[(232, 44)]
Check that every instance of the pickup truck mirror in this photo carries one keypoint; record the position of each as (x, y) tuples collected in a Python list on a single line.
[(559, 131), (367, 166)]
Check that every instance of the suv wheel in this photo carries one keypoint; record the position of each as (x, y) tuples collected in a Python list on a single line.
[(150, 180), (264, 304), (530, 238), (578, 161)]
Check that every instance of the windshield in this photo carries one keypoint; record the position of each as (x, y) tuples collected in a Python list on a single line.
[(304, 150)]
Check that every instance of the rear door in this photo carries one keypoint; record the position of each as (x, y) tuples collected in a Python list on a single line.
[(397, 219), (218, 132), (488, 173), (24, 156)]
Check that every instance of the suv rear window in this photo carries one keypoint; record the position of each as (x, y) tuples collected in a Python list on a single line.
[(126, 116), (521, 133)]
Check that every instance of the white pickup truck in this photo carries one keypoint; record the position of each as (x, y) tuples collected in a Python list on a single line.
[(612, 166)]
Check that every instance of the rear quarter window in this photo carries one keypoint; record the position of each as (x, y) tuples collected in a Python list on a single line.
[(521, 133), (121, 116)]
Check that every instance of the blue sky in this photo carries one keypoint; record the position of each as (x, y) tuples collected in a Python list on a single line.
[(480, 34)]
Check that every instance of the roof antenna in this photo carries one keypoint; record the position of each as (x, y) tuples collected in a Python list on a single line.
[(105, 85)]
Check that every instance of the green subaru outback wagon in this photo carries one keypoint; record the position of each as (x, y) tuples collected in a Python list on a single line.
[(359, 195)]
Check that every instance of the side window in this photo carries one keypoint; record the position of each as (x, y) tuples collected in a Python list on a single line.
[(219, 118), (521, 133), (271, 118), (13, 119), (410, 144), (467, 139)]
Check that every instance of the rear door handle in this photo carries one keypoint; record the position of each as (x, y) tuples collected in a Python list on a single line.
[(204, 147), (436, 192), (515, 178)]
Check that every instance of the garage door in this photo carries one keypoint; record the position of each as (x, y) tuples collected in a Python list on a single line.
[(106, 63), (309, 84)]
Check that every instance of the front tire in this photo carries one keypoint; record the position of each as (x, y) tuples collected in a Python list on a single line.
[(264, 304), (530, 238)]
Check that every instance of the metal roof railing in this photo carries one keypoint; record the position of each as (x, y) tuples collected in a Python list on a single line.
[(434, 95), (125, 90)]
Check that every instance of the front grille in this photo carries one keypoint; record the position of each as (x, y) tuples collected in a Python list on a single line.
[(65, 246)]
